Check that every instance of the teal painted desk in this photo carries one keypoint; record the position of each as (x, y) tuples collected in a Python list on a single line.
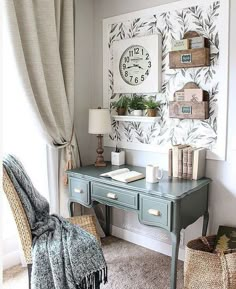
[(172, 204)]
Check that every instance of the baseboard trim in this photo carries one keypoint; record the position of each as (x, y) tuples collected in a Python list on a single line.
[(146, 242)]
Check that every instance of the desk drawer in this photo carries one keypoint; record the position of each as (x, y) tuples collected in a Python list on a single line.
[(155, 211), (79, 190), (113, 195)]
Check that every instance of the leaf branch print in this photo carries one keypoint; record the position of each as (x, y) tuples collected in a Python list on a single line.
[(128, 132), (121, 33), (183, 21), (172, 25), (115, 136), (206, 27)]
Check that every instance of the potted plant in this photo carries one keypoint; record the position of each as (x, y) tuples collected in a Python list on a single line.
[(121, 105), (151, 106), (136, 105)]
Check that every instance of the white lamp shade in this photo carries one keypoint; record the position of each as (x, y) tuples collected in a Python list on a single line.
[(99, 121)]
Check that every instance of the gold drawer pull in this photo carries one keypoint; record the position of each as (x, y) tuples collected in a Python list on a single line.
[(154, 212), (78, 191), (112, 196)]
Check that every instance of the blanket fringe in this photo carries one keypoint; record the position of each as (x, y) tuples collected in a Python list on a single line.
[(94, 280)]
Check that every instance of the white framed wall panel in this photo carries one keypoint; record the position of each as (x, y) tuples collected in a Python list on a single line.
[(209, 18)]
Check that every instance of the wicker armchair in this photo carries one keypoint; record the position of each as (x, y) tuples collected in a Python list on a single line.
[(86, 222)]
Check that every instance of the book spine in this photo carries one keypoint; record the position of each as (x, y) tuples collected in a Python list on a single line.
[(185, 163), (170, 163), (190, 164), (180, 164), (175, 162)]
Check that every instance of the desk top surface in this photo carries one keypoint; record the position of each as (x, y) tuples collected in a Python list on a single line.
[(171, 188)]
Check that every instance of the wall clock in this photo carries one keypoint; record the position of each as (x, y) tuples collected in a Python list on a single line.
[(137, 65)]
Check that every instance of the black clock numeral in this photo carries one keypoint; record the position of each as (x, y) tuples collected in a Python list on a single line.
[(136, 50), (147, 72), (126, 73), (142, 51), (136, 80), (131, 77), (131, 53), (149, 64), (124, 66), (127, 59), (147, 56), (142, 77)]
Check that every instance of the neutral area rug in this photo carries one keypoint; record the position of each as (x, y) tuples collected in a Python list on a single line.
[(129, 267)]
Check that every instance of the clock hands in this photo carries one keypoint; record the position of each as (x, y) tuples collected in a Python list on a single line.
[(137, 65), (134, 65)]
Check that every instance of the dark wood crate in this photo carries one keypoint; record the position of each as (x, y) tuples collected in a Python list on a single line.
[(189, 110), (199, 57)]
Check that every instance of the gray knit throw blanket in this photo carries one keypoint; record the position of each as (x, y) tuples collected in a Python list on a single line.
[(64, 255)]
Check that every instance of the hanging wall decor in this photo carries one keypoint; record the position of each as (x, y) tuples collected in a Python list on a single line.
[(172, 21)]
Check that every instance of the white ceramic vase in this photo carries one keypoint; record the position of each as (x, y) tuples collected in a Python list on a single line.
[(138, 112)]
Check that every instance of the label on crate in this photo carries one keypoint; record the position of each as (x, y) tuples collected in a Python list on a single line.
[(186, 109), (186, 58)]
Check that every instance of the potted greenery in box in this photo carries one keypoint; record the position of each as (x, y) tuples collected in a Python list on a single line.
[(136, 105), (121, 105), (151, 106)]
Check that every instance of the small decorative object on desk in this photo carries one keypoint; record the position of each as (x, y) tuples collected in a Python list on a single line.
[(225, 239), (153, 174), (118, 157), (186, 162)]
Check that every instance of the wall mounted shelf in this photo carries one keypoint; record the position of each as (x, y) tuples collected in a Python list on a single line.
[(135, 118), (189, 109), (198, 57)]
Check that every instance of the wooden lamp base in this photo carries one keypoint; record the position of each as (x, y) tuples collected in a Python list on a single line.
[(100, 159)]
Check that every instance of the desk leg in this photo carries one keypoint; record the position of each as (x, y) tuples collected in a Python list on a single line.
[(108, 220), (205, 223), (175, 237), (71, 209)]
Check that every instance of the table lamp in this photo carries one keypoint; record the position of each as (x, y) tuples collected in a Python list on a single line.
[(99, 124)]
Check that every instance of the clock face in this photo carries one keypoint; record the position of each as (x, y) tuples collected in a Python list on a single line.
[(135, 65)]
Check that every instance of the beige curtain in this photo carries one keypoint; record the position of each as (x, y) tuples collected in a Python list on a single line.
[(43, 35)]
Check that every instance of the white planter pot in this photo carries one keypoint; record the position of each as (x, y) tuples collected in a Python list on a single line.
[(118, 159), (138, 112)]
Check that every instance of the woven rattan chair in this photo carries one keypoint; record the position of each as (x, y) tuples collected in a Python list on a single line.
[(85, 222)]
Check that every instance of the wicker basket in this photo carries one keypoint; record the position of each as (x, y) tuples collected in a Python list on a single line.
[(206, 270)]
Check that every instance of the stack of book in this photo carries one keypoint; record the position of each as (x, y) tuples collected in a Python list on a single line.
[(186, 162)]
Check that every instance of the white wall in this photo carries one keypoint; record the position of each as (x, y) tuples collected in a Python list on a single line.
[(223, 189)]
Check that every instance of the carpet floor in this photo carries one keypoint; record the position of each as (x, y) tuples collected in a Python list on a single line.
[(129, 267)]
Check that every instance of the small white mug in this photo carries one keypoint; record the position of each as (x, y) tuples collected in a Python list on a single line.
[(153, 174)]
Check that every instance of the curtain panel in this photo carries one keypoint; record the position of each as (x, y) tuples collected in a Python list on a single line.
[(42, 32)]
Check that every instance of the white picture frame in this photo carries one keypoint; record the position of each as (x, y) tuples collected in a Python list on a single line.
[(152, 83)]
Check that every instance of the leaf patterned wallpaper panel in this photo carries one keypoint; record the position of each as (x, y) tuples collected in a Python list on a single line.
[(171, 25)]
